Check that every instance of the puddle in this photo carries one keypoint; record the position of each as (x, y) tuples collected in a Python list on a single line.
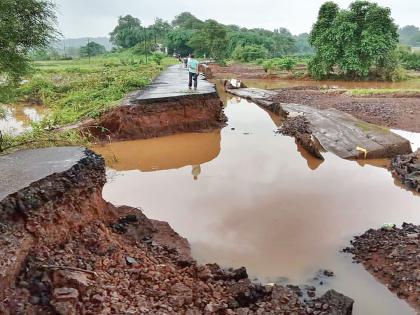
[(246, 196), (18, 118)]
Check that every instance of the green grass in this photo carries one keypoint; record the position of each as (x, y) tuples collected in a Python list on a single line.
[(369, 92), (74, 90)]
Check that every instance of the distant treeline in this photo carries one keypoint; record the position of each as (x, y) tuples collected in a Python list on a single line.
[(410, 35), (187, 34)]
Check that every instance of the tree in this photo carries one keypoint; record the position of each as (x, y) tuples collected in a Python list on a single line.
[(186, 20), (250, 53), (127, 33), (358, 41), (160, 29), (178, 42), (302, 44), (210, 40), (92, 49), (409, 35), (25, 25)]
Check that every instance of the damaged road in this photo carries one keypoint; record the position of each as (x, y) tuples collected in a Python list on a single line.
[(165, 107), (65, 250), (331, 129)]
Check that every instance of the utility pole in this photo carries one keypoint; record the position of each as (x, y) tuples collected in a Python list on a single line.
[(145, 43), (88, 49)]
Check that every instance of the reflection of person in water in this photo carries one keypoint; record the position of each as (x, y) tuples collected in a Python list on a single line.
[(196, 170)]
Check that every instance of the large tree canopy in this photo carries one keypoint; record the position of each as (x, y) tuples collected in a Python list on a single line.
[(357, 41), (92, 49), (127, 33), (24, 25)]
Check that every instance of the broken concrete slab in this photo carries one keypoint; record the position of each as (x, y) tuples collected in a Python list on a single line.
[(336, 131), (22, 168)]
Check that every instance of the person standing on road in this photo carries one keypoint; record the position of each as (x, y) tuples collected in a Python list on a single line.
[(192, 71)]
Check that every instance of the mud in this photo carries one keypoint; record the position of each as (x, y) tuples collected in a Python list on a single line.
[(64, 250), (401, 112), (298, 127), (186, 114), (406, 168), (238, 71), (167, 106), (391, 255)]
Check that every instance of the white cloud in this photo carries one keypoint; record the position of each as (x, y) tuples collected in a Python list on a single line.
[(80, 18)]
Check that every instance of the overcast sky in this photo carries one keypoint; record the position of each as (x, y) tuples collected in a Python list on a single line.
[(82, 18)]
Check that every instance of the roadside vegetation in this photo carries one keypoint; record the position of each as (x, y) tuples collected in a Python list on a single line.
[(74, 90)]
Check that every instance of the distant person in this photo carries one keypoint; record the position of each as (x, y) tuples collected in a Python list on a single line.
[(192, 71), (185, 60), (196, 171)]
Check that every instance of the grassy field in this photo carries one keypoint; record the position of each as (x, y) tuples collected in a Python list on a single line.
[(74, 90)]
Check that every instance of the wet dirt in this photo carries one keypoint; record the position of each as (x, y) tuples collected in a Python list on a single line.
[(266, 204), (392, 256), (398, 113), (18, 118)]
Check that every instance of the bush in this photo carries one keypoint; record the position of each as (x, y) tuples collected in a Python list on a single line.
[(157, 58), (410, 60), (287, 64), (249, 53)]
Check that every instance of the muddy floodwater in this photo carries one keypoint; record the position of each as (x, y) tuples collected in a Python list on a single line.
[(245, 196), (18, 118)]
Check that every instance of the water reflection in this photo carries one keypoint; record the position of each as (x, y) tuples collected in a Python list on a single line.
[(260, 204), (162, 153), (18, 118)]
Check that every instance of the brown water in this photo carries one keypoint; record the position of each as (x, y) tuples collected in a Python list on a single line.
[(18, 118), (249, 197)]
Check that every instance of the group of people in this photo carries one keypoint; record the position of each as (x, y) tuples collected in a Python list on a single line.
[(192, 65)]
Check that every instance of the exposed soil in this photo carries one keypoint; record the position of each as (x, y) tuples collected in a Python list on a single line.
[(407, 169), (299, 128), (135, 121), (64, 250), (386, 110), (239, 71), (392, 255)]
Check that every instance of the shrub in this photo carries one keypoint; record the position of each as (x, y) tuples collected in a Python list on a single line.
[(249, 53), (157, 58)]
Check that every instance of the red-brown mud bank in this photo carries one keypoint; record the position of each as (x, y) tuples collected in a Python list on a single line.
[(392, 255), (165, 107), (140, 121), (64, 250)]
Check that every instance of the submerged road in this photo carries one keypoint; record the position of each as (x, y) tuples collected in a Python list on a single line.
[(172, 84)]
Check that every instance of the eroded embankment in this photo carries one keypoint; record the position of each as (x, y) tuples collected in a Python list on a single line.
[(64, 250), (165, 107), (392, 255), (166, 117)]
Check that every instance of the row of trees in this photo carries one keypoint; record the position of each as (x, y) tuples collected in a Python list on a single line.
[(91, 49), (359, 42), (186, 34)]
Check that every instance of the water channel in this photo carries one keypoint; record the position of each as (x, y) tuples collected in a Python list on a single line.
[(246, 196)]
